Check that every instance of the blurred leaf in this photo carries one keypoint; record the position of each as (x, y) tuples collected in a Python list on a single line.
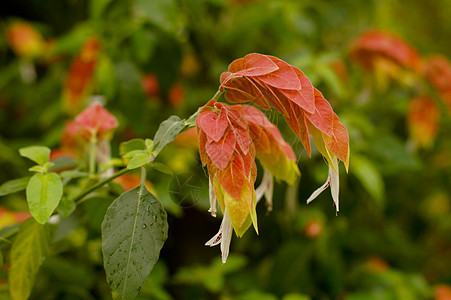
[(162, 168), (370, 177), (211, 277), (67, 271), (105, 76), (167, 132), (131, 145), (44, 192), (154, 287), (73, 174), (71, 42), (14, 185), (394, 154), (66, 207), (296, 297), (257, 295), (38, 154), (97, 8), (128, 79), (133, 232), (143, 42), (27, 254), (162, 13)]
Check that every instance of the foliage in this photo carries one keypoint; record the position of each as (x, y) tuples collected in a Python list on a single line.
[(96, 82)]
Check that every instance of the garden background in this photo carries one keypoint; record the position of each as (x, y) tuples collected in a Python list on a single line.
[(147, 60)]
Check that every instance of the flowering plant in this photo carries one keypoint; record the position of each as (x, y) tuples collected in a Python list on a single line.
[(231, 138)]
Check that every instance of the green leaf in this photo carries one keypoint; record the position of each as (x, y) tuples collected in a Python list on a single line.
[(37, 169), (167, 132), (370, 178), (38, 154), (131, 145), (73, 174), (134, 152), (44, 192), (133, 232), (138, 160), (161, 13), (14, 185), (97, 8), (162, 168), (66, 207), (28, 251), (149, 144), (294, 296)]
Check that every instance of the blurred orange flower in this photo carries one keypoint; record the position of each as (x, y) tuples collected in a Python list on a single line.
[(423, 120), (78, 82), (25, 40)]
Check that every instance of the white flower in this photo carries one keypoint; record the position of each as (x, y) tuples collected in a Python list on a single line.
[(333, 181), (224, 235), (266, 188)]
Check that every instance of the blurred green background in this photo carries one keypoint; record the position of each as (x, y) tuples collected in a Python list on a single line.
[(392, 237)]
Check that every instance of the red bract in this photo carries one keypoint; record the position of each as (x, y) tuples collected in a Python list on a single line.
[(95, 120), (79, 79), (151, 86), (437, 69), (273, 152), (423, 120), (25, 40), (231, 136), (226, 149), (130, 181), (176, 95), (374, 45), (270, 82)]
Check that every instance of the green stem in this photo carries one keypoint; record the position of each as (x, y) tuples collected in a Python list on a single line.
[(92, 154), (217, 95), (79, 199), (143, 177)]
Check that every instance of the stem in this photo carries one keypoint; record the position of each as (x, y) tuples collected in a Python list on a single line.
[(143, 177), (79, 199), (217, 95), (92, 154)]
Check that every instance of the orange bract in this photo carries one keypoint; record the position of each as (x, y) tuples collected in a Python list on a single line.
[(25, 40), (230, 137), (437, 69), (225, 147), (95, 120), (423, 120), (79, 79), (269, 82), (373, 45)]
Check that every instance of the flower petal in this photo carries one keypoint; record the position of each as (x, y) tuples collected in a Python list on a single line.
[(319, 190), (212, 196), (334, 182), (226, 236)]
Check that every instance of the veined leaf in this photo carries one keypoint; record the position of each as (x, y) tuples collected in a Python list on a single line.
[(14, 185), (38, 154), (222, 151), (138, 160), (28, 251), (282, 78), (131, 145), (133, 232), (214, 125), (167, 132), (44, 192)]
